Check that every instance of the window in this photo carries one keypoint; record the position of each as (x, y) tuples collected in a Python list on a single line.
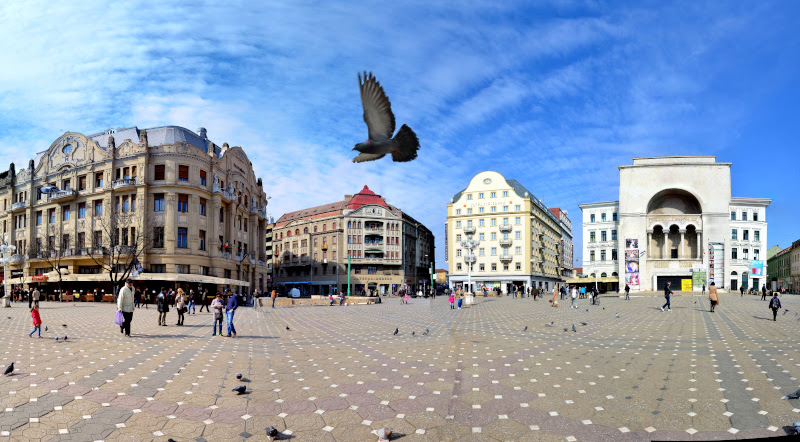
[(733, 215), (124, 237), (745, 235), (39, 218), (494, 251), (481, 223), (483, 269), (614, 216), (81, 210), (480, 195), (458, 266), (755, 254), (613, 254), (469, 223), (458, 212), (518, 250), (98, 208), (469, 196), (603, 217), (518, 221), (97, 240), (182, 268), (202, 207), (756, 235), (481, 210), (517, 207), (183, 203), (158, 172), (158, 268), (613, 235), (517, 235), (98, 179), (505, 208), (505, 267), (494, 222), (202, 177), (591, 236), (65, 241), (734, 253), (494, 235), (158, 237), (125, 204), (591, 218), (494, 209), (505, 193), (481, 237), (734, 235), (481, 252), (65, 213), (222, 217), (158, 202), (505, 221), (469, 211), (755, 216), (82, 182), (458, 224), (602, 255), (52, 216), (744, 216), (51, 242), (493, 195), (183, 173), (591, 255), (458, 252), (182, 243), (458, 238), (602, 235), (744, 254), (518, 266), (133, 203), (65, 185), (202, 236)]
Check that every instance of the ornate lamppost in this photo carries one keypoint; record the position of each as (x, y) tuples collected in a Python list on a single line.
[(6, 250), (469, 258)]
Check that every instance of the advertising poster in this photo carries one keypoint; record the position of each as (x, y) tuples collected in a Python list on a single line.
[(757, 268), (716, 264), (632, 263), (445, 243), (686, 285), (699, 279)]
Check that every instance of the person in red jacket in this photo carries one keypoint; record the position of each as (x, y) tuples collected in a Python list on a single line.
[(37, 320)]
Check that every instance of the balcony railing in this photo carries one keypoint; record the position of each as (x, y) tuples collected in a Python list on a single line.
[(227, 194), (505, 242), (123, 182), (506, 258), (62, 194), (226, 255), (19, 206), (505, 227), (469, 230)]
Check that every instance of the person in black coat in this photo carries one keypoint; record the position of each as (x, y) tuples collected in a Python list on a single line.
[(162, 303), (775, 305), (667, 294)]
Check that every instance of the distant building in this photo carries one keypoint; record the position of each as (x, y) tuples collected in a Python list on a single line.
[(441, 276), (675, 218), (779, 268), (566, 242)]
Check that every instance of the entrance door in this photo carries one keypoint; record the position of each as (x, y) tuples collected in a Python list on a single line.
[(744, 281), (734, 285), (755, 284), (661, 282)]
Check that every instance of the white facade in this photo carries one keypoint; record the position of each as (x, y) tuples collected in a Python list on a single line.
[(673, 217)]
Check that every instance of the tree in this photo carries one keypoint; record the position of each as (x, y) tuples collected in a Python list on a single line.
[(53, 254), (128, 238)]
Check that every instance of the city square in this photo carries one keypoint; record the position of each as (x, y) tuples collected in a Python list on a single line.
[(632, 372)]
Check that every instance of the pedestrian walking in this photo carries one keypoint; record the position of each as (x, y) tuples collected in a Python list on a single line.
[(460, 300), (667, 294), (583, 292), (741, 290), (180, 305), (230, 308), (555, 297), (595, 295), (274, 295), (163, 307), (775, 305), (712, 296), (37, 320), (192, 302), (34, 296), (627, 292), (405, 299), (218, 307), (574, 298), (204, 297), (452, 301), (704, 289), (763, 292), (125, 305)]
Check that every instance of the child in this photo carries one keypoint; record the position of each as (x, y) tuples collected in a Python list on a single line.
[(37, 320), (452, 301)]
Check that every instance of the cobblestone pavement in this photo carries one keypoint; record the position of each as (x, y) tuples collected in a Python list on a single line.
[(339, 373)]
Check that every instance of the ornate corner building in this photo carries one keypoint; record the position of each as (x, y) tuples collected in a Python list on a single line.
[(387, 249), (675, 221), (185, 209)]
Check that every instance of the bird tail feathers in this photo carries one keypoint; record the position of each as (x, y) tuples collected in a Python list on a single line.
[(408, 145)]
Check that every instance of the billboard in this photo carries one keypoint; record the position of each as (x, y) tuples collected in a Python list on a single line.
[(757, 268), (698, 278), (632, 263), (716, 264), (446, 243)]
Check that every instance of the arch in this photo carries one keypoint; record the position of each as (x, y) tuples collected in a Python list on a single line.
[(305, 229), (733, 273), (324, 227), (334, 226), (614, 274), (315, 229), (674, 202), (603, 275), (296, 231)]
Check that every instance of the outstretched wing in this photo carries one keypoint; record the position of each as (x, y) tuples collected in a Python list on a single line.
[(368, 157), (377, 108)]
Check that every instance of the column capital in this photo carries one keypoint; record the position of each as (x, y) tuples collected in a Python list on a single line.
[(682, 231)]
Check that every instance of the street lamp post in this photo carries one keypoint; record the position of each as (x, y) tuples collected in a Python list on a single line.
[(6, 250), (470, 245)]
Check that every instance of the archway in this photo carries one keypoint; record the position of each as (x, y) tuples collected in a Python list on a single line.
[(674, 202)]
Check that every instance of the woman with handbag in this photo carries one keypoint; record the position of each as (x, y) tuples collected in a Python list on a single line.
[(180, 305)]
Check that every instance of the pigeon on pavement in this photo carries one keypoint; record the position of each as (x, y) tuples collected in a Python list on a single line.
[(584, 323), (287, 328), (240, 389), (239, 376), (9, 369), (549, 324), (525, 329), (565, 329), (380, 126), (573, 328), (383, 433), (616, 314), (397, 330), (272, 432), (63, 325), (45, 328), (795, 395), (413, 333), (426, 331), (65, 337)]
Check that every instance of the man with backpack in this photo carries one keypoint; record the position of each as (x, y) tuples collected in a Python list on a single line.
[(775, 305)]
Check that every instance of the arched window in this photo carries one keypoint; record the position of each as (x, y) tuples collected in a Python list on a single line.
[(348, 224), (305, 230), (359, 224), (603, 275), (614, 274), (288, 233), (324, 227), (315, 229), (296, 231), (334, 226)]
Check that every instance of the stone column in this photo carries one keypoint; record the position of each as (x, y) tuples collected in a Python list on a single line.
[(683, 244), (699, 247), (170, 228), (212, 222), (649, 239), (665, 247)]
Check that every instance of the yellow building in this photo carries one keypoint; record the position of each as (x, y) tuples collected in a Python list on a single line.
[(519, 238), (164, 205)]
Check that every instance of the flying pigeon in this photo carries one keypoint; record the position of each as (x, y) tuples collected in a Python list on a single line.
[(397, 330), (383, 433), (240, 389), (239, 376), (9, 370), (549, 324), (272, 432), (380, 126), (795, 395), (573, 328), (525, 329), (413, 333)]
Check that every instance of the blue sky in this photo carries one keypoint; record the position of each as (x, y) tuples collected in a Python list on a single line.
[(555, 94)]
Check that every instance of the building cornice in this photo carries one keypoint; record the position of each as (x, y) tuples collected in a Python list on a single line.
[(761, 202), (598, 205)]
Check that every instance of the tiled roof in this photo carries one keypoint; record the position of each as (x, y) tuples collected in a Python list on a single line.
[(156, 136), (366, 197), (311, 212)]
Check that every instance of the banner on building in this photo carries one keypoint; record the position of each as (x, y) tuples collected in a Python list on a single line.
[(686, 285), (757, 267), (632, 263), (698, 278), (716, 264), (446, 241)]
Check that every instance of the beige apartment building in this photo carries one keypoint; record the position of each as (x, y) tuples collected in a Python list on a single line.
[(519, 238), (179, 208), (387, 250)]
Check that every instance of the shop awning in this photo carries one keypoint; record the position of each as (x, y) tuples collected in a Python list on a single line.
[(182, 277), (591, 280)]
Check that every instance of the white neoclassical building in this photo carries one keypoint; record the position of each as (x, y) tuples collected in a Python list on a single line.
[(676, 221)]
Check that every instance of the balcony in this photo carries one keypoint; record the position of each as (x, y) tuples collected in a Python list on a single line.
[(505, 227), (506, 242), (227, 194), (63, 195), (226, 255), (506, 258), (123, 182), (469, 230), (19, 206)]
